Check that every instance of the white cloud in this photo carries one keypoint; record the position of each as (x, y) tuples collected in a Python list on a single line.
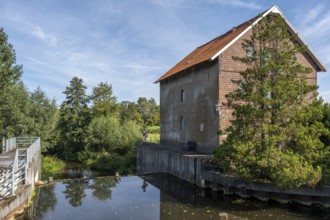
[(239, 3), (316, 23), (38, 32)]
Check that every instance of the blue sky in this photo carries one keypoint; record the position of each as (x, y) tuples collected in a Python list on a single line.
[(130, 43)]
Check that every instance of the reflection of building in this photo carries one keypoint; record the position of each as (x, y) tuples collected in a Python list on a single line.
[(192, 93)]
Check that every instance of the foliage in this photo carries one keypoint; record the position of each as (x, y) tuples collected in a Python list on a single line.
[(276, 130), (28, 114), (124, 164), (104, 103), (51, 165), (10, 72), (106, 134), (149, 111), (74, 120), (129, 111), (153, 134), (326, 121), (45, 116)]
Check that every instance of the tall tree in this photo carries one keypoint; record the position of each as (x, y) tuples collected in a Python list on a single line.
[(74, 119), (15, 108), (149, 111), (45, 116), (276, 130), (129, 111), (104, 102), (10, 72)]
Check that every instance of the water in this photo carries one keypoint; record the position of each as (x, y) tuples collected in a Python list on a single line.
[(152, 197)]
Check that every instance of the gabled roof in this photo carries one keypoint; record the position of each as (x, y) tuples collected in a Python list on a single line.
[(215, 47)]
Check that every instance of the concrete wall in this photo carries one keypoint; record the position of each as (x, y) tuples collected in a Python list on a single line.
[(9, 205), (152, 158), (201, 121)]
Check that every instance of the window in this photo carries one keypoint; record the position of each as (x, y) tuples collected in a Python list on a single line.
[(181, 123), (182, 96)]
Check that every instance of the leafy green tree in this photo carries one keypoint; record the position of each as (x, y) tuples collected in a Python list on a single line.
[(149, 111), (154, 112), (106, 134), (144, 110), (276, 130), (10, 72), (104, 102), (15, 108), (45, 116), (129, 111), (74, 120)]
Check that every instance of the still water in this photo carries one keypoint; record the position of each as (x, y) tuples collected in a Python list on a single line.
[(151, 197)]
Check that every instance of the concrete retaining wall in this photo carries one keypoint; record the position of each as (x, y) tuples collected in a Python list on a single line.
[(9, 205), (152, 158)]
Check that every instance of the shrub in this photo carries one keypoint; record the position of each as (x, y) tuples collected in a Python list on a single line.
[(51, 165)]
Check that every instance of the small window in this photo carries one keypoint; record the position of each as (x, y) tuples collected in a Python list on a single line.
[(182, 96), (181, 123)]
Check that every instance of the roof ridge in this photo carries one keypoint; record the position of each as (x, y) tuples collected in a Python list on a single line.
[(212, 49)]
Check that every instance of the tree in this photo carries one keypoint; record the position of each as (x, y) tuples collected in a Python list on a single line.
[(15, 108), (104, 103), (45, 116), (74, 120), (10, 72), (129, 111), (149, 111), (276, 128)]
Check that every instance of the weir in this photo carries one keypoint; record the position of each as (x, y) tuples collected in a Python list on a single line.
[(20, 163), (195, 168)]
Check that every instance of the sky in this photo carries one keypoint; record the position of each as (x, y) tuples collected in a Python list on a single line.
[(130, 44)]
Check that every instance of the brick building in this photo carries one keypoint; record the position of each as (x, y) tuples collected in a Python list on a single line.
[(192, 93)]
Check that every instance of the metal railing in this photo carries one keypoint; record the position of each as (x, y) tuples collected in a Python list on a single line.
[(16, 174)]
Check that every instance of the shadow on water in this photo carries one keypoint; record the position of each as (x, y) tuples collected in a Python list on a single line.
[(182, 197), (152, 197)]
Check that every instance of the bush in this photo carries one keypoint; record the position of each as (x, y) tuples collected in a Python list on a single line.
[(51, 165), (124, 164)]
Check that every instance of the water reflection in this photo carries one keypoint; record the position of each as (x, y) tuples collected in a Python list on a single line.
[(75, 191), (152, 197), (44, 201), (102, 187)]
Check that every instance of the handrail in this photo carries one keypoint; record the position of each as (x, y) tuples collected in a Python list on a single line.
[(26, 149)]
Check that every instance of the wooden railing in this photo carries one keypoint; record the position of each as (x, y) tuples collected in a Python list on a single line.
[(15, 175)]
